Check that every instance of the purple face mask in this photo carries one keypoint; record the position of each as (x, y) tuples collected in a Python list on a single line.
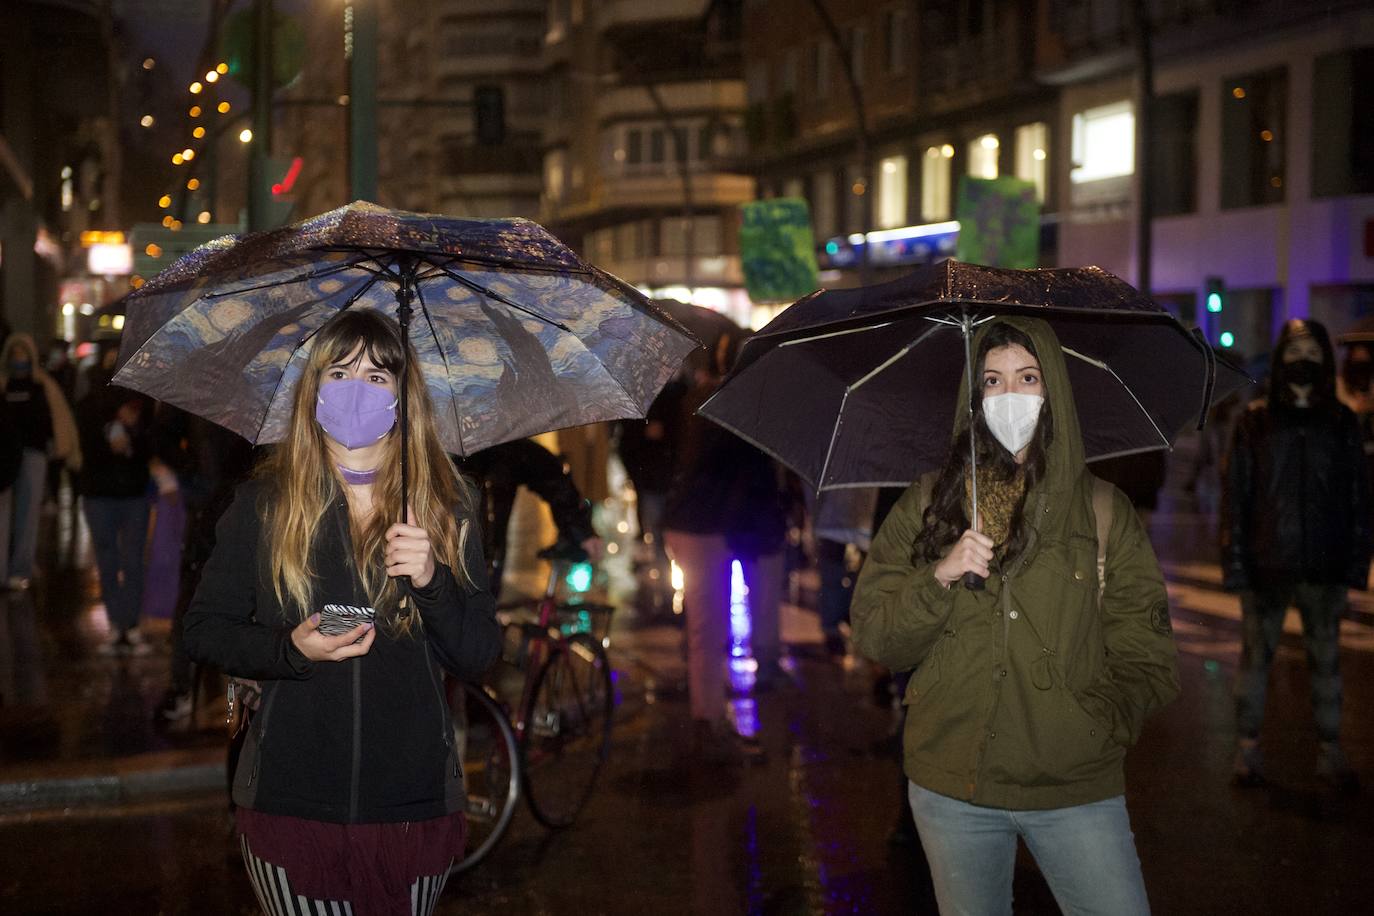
[(355, 413)]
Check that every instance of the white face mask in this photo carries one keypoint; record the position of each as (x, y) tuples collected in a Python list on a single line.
[(1011, 418)]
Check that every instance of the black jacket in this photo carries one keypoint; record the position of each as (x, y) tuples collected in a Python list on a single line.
[(1295, 499), (364, 740), (105, 474)]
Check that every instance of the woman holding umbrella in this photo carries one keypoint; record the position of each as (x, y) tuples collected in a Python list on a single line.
[(1027, 691), (348, 788)]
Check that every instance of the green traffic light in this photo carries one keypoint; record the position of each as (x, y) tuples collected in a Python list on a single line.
[(1228, 339), (579, 577), (1214, 302)]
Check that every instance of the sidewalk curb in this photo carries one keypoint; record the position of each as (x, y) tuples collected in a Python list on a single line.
[(81, 791)]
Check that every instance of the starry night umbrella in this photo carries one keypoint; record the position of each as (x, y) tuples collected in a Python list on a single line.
[(515, 334), (880, 367)]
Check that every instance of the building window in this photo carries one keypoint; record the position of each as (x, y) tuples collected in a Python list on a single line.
[(634, 146), (789, 71), (892, 210), (1253, 132), (1343, 123), (657, 145), (1103, 143), (555, 171), (823, 204), (982, 156), (1032, 155), (820, 59), (858, 51), (894, 41), (856, 201), (935, 183), (1173, 154), (706, 240), (756, 83)]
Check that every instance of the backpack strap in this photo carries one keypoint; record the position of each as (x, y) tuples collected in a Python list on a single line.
[(1102, 512)]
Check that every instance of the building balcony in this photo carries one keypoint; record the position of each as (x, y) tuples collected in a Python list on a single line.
[(625, 102), (621, 14)]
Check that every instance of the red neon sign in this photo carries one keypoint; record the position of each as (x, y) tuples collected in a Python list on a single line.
[(284, 186)]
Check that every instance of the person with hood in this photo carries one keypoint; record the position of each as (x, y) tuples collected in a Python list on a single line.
[(1295, 529), (1026, 693), (39, 411)]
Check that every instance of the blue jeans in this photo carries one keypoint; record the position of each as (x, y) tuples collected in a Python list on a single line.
[(119, 532), (1086, 853), (27, 508), (1262, 611)]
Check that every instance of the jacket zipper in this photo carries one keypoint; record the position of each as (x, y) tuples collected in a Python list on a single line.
[(355, 776), (445, 728)]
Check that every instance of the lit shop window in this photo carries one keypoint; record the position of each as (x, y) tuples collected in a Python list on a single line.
[(982, 156), (935, 183), (1103, 143), (1032, 155), (892, 192)]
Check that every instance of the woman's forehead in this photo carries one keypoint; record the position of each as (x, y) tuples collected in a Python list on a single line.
[(358, 357), (1014, 354)]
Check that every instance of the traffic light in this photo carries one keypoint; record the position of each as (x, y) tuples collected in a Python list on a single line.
[(1216, 294), (489, 115)]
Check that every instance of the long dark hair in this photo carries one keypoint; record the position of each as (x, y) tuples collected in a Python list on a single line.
[(945, 518)]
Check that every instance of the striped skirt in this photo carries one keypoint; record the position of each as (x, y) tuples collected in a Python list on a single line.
[(277, 899)]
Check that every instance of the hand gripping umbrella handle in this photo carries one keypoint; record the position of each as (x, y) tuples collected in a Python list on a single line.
[(974, 582)]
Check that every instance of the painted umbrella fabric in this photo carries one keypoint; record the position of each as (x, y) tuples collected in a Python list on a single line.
[(514, 333), (881, 367)]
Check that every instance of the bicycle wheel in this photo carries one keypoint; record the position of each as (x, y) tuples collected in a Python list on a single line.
[(491, 768), (567, 733)]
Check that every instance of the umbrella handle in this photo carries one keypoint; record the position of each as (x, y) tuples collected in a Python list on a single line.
[(974, 582)]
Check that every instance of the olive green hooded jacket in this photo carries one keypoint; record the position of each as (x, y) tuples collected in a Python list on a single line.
[(1025, 695)]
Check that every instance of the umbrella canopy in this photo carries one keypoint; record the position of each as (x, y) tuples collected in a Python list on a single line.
[(881, 367), (710, 327), (515, 334)]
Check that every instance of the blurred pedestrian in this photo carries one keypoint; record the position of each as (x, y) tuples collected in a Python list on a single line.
[(352, 799), (499, 472), (115, 425), (841, 526), (1026, 693), (1295, 529), (43, 418), (726, 504)]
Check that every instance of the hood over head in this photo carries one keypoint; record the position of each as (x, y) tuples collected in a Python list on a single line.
[(1064, 452), (1324, 391)]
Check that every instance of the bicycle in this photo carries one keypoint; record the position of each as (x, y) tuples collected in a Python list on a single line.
[(561, 732)]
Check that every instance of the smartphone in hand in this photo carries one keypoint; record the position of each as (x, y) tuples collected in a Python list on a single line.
[(337, 619)]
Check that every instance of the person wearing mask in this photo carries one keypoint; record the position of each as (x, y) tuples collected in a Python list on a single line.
[(1027, 693), (114, 423), (349, 790), (46, 429), (1295, 529)]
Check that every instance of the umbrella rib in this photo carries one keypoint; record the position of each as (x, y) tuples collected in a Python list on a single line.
[(1112, 372), (834, 436), (299, 278), (370, 282), (497, 297), (448, 370), (892, 359)]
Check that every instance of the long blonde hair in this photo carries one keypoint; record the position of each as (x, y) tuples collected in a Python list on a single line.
[(304, 482)]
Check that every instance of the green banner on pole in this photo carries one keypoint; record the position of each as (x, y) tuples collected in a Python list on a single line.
[(999, 222), (778, 250)]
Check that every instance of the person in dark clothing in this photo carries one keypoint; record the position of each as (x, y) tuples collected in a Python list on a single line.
[(114, 425), (499, 472), (1295, 529), (648, 448), (349, 789), (210, 462), (727, 503)]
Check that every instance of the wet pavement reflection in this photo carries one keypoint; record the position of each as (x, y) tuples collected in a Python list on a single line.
[(803, 827)]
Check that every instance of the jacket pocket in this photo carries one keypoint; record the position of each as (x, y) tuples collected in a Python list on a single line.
[(248, 772), (927, 673)]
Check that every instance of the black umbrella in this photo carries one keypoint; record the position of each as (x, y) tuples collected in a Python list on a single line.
[(879, 368)]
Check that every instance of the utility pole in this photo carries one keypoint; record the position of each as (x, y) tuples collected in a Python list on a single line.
[(361, 47), (259, 194), (1144, 116)]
